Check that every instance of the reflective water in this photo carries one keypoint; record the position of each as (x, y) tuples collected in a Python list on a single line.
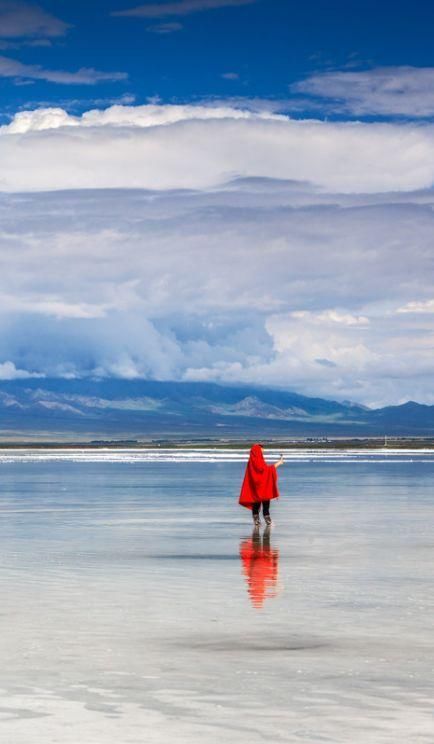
[(139, 606)]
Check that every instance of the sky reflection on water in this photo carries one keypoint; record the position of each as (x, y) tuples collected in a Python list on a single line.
[(137, 605)]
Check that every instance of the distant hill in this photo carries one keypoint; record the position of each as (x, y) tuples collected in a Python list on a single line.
[(60, 409)]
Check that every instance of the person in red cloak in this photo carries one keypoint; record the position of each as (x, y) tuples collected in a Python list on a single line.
[(259, 485)]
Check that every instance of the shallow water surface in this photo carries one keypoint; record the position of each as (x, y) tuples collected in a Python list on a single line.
[(138, 606)]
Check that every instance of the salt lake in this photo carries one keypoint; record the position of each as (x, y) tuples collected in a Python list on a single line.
[(138, 606)]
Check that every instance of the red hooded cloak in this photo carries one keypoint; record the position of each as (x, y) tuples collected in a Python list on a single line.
[(260, 480)]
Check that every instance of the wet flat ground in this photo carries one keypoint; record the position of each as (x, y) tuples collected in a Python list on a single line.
[(138, 606)]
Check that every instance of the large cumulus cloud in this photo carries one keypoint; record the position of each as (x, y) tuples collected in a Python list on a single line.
[(171, 147), (258, 280)]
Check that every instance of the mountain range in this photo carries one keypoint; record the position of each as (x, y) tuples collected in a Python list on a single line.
[(84, 409)]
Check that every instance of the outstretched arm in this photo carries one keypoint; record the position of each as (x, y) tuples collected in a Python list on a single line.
[(279, 462)]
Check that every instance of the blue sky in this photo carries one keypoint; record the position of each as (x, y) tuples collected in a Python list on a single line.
[(228, 190), (253, 50)]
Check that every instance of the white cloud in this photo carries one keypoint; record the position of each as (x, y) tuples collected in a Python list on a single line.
[(179, 8), (416, 306), (8, 371), (330, 317), (199, 147), (12, 68), (20, 19), (50, 305), (303, 338), (136, 117), (385, 91), (379, 364)]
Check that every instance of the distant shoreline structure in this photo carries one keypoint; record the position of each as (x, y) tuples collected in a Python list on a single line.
[(208, 443)]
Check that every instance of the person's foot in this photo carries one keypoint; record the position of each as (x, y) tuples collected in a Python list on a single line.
[(256, 521), (268, 521)]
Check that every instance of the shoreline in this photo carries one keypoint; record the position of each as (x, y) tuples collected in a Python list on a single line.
[(373, 444)]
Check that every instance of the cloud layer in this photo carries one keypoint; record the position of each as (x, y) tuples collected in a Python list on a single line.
[(213, 243), (259, 281), (199, 147)]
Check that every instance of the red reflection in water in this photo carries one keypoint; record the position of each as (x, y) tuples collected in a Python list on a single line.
[(260, 566)]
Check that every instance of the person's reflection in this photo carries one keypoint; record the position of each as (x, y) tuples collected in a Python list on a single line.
[(260, 566)]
